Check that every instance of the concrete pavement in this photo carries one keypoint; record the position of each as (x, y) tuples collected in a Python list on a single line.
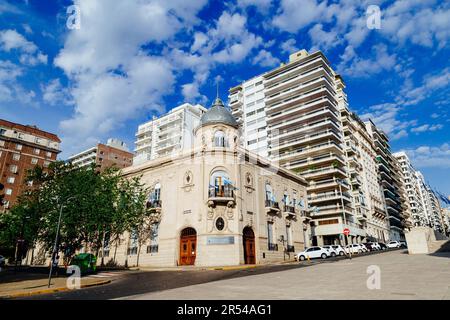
[(402, 276)]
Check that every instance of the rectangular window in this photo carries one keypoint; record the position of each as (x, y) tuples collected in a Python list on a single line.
[(270, 232), (37, 151), (46, 164), (49, 154), (34, 160), (11, 180), (2, 143), (18, 147), (16, 157), (8, 192), (13, 168)]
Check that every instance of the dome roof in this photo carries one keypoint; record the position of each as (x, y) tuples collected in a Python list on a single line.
[(218, 114)]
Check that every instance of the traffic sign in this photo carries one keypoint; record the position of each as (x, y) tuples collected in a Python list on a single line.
[(346, 231)]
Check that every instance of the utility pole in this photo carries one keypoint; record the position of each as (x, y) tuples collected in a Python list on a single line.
[(55, 247), (345, 218)]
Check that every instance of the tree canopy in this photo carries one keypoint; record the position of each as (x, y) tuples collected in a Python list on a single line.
[(93, 204)]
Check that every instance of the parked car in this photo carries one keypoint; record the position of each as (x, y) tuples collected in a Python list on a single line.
[(353, 248), (2, 261), (312, 253), (331, 250), (394, 244), (369, 246), (363, 247), (382, 245), (403, 244), (375, 246), (336, 248)]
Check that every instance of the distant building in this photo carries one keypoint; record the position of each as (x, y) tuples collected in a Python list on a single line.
[(172, 132), (22, 147), (113, 153)]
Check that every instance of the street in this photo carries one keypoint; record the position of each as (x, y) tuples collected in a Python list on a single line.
[(402, 276)]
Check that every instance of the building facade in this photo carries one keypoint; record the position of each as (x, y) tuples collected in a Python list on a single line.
[(23, 147), (218, 203), (389, 180), (168, 134), (112, 154)]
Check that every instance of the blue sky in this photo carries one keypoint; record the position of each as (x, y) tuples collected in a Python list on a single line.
[(131, 59)]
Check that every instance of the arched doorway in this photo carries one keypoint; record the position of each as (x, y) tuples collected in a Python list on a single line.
[(188, 247), (249, 245)]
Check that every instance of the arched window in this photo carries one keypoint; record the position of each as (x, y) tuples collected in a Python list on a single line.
[(220, 184), (219, 139)]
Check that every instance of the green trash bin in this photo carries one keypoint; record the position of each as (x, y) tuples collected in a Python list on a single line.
[(87, 262)]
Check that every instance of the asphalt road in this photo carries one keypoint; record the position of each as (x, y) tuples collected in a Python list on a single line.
[(130, 283)]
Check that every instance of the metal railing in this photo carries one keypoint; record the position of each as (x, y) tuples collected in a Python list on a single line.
[(223, 192), (289, 209), (153, 204), (272, 204)]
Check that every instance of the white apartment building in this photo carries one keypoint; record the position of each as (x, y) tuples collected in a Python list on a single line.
[(170, 133), (291, 115), (368, 197), (248, 107)]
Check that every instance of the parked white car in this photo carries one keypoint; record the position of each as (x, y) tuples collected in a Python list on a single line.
[(312, 253), (393, 244), (335, 250), (353, 248), (363, 248), (375, 246)]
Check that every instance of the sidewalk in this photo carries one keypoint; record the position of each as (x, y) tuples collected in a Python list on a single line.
[(39, 286)]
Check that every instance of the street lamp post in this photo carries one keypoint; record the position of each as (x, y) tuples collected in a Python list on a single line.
[(345, 218), (55, 247)]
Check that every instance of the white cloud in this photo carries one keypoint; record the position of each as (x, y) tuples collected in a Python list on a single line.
[(431, 157), (354, 66), (265, 59), (261, 5), (30, 53), (289, 46), (410, 95), (427, 127), (54, 93), (323, 40), (295, 16), (112, 77)]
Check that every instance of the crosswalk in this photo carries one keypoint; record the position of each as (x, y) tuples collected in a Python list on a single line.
[(105, 275)]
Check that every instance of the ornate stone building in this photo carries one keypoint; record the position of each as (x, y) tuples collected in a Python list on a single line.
[(218, 204)]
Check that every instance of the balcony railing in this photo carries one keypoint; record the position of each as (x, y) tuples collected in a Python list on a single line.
[(272, 204), (224, 192), (289, 209), (273, 247), (154, 204)]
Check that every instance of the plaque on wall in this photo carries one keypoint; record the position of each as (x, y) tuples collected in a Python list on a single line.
[(220, 240)]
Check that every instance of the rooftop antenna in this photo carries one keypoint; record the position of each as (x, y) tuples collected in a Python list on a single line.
[(217, 88)]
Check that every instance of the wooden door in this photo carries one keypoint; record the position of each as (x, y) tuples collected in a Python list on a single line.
[(249, 246), (188, 247)]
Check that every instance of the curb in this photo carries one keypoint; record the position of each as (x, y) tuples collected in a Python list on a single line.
[(54, 290)]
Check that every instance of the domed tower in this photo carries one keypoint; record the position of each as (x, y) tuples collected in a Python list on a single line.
[(218, 128)]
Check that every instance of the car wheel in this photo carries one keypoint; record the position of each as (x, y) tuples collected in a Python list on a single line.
[(341, 253), (324, 256), (333, 254), (302, 258), (359, 251)]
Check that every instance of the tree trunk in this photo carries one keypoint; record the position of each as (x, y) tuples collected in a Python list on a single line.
[(138, 255)]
